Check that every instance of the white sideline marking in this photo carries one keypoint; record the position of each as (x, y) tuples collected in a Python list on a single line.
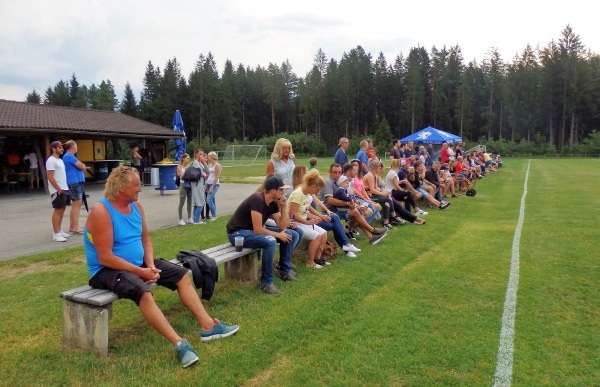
[(503, 374)]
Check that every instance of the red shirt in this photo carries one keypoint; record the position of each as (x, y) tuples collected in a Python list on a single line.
[(444, 155)]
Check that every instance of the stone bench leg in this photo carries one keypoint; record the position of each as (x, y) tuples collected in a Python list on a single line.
[(243, 268), (86, 326)]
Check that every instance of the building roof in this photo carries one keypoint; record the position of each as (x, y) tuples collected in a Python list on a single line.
[(22, 119)]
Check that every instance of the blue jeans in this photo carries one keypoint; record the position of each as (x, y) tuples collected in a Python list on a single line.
[(336, 226), (197, 213), (268, 244), (210, 199), (285, 249)]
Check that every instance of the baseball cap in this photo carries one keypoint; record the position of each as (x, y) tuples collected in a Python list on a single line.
[(274, 182), (403, 162), (342, 179), (55, 144)]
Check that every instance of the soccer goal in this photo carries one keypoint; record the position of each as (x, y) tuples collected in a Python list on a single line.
[(237, 155)]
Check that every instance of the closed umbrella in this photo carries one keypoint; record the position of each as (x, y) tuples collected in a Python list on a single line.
[(180, 143)]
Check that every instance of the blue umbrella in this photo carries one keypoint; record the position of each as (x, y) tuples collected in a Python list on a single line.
[(180, 143), (431, 135)]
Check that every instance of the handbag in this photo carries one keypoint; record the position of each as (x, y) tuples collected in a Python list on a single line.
[(192, 174)]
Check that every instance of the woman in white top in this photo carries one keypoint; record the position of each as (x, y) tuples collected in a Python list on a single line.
[(185, 190), (212, 183), (282, 163), (307, 218)]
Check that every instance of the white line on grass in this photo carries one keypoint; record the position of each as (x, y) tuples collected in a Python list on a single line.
[(503, 374)]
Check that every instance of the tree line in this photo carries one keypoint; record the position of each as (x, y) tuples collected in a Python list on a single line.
[(549, 94)]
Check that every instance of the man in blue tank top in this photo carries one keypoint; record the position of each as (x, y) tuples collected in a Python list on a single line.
[(120, 257)]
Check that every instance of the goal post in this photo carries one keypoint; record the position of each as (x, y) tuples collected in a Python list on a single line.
[(240, 154)]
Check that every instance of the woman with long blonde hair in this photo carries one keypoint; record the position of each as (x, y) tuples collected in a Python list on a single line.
[(185, 190), (307, 218), (282, 163), (212, 183)]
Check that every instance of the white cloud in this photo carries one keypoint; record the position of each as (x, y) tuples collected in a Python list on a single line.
[(43, 42)]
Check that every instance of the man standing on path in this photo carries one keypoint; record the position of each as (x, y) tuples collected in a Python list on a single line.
[(120, 257), (32, 161), (59, 190), (248, 222), (340, 155), (75, 179)]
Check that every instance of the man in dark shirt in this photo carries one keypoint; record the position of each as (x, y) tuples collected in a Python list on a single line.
[(395, 152), (409, 151), (248, 221), (431, 175)]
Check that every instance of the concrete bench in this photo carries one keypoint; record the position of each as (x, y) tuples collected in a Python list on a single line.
[(86, 310)]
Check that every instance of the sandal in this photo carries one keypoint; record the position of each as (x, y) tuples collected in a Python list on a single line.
[(76, 232), (315, 266)]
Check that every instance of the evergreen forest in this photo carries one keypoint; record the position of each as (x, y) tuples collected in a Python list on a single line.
[(547, 95)]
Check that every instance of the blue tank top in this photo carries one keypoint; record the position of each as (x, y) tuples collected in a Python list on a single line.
[(127, 238)]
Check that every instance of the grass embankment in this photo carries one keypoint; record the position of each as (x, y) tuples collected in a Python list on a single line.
[(423, 307)]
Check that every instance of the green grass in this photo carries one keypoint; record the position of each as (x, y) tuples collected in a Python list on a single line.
[(423, 307)]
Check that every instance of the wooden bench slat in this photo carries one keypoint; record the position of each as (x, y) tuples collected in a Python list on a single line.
[(100, 297)]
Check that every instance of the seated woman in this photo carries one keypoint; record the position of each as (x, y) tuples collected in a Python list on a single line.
[(357, 186), (415, 180), (392, 183), (329, 220), (377, 194), (307, 218)]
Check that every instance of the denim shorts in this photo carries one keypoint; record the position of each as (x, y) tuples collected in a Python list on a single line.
[(130, 286), (76, 191)]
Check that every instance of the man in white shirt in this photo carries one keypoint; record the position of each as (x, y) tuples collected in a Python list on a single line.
[(32, 160), (59, 190)]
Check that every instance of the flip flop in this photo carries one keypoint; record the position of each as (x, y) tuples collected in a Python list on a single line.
[(76, 232)]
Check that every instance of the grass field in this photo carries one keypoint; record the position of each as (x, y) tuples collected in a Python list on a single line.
[(423, 307)]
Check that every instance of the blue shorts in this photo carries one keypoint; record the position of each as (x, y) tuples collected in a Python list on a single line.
[(76, 191), (423, 192)]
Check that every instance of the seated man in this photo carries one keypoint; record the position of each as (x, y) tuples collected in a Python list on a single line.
[(120, 257), (352, 214), (248, 221)]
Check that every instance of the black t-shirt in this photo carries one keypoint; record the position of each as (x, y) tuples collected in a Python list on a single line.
[(432, 177), (242, 218)]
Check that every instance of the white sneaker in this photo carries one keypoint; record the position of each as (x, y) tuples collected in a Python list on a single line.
[(350, 247), (64, 234), (190, 220), (421, 212), (181, 222), (350, 254), (200, 222), (58, 238), (213, 219)]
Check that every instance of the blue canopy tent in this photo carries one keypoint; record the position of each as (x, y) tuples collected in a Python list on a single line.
[(431, 135), (180, 143)]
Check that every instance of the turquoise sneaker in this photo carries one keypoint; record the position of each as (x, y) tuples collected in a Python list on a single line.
[(185, 353), (218, 331)]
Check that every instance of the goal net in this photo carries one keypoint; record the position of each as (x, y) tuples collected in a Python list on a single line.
[(238, 155)]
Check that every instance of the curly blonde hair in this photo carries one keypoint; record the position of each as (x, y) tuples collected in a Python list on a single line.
[(279, 145), (119, 178), (313, 178)]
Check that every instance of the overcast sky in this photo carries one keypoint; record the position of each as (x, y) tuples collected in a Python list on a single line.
[(42, 42)]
